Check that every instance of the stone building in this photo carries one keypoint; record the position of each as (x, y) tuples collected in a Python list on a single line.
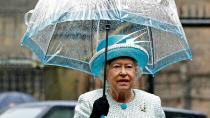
[(186, 84), (183, 85), (17, 70)]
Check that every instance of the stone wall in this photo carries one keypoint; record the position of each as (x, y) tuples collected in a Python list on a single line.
[(186, 84), (12, 27), (183, 85), (16, 6), (193, 8)]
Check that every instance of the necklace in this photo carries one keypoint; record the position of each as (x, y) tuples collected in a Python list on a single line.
[(123, 106)]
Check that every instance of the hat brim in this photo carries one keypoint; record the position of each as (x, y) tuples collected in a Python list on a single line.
[(136, 52)]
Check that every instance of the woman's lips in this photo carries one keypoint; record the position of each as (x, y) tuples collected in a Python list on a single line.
[(123, 81)]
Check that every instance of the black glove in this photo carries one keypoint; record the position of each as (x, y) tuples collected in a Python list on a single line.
[(100, 107)]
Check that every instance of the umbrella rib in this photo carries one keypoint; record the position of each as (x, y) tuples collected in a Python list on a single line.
[(153, 53), (91, 43), (91, 36), (47, 49)]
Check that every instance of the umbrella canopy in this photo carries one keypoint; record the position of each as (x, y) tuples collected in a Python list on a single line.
[(66, 32), (7, 99)]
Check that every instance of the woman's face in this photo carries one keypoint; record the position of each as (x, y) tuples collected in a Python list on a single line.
[(121, 74)]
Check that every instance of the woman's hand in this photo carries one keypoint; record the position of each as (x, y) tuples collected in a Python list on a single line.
[(100, 107)]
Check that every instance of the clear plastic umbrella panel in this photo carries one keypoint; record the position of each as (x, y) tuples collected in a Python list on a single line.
[(66, 32)]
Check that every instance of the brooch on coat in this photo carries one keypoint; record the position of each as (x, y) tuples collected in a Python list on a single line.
[(143, 107)]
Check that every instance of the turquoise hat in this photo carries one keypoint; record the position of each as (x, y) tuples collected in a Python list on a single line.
[(118, 46)]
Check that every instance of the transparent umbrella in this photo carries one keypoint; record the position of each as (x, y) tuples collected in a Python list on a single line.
[(66, 32)]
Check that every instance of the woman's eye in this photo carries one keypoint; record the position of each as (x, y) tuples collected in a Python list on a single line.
[(129, 66), (116, 66)]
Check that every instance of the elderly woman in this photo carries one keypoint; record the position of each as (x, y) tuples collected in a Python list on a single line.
[(125, 63)]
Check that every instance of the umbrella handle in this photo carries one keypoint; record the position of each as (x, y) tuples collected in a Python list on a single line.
[(27, 18)]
